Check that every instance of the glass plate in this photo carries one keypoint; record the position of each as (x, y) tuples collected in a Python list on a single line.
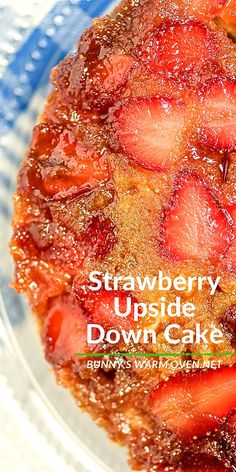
[(35, 35)]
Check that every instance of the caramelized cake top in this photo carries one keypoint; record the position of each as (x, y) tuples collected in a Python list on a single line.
[(132, 171)]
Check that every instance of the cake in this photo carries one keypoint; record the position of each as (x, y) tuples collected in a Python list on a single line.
[(131, 174)]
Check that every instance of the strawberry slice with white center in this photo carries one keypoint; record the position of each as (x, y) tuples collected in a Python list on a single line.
[(64, 331), (100, 308), (217, 126), (149, 130), (195, 227), (193, 404), (178, 48)]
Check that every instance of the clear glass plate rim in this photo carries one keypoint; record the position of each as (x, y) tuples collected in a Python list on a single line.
[(91, 461)]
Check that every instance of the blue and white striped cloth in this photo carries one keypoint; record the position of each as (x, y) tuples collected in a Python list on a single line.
[(35, 35)]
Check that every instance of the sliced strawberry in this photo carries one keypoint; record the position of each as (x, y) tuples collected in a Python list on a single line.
[(48, 254), (100, 308), (193, 404), (111, 72), (72, 169), (205, 8), (40, 279), (54, 243), (66, 251), (64, 331), (98, 70), (40, 233), (98, 238), (195, 227), (45, 137), (60, 166), (149, 130), (217, 127), (178, 48)]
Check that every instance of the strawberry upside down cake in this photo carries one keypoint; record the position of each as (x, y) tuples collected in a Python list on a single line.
[(132, 171)]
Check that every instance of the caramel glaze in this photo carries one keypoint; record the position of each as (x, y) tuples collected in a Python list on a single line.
[(130, 201)]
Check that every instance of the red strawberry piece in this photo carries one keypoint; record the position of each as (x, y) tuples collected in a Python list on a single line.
[(111, 72), (57, 244), (206, 8), (217, 127), (100, 308), (41, 233), (149, 130), (195, 227), (62, 166), (23, 244), (98, 238), (38, 278), (72, 168), (95, 70), (59, 249), (61, 76), (64, 330), (45, 137), (66, 251), (178, 48), (193, 404)]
